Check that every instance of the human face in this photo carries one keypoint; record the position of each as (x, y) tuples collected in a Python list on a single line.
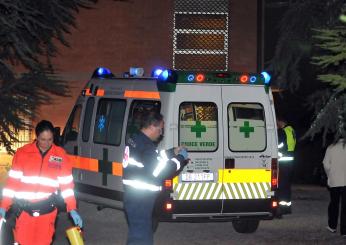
[(45, 140), (157, 131)]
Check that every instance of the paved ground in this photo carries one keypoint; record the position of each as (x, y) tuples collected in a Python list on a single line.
[(305, 226)]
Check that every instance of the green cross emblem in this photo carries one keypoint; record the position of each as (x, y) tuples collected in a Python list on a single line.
[(246, 129), (198, 129)]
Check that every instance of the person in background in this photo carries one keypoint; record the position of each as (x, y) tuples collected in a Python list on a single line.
[(145, 169), (286, 145), (334, 163), (39, 171)]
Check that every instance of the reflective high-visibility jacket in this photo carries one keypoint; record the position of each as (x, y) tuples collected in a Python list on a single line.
[(144, 167), (287, 142), (34, 178)]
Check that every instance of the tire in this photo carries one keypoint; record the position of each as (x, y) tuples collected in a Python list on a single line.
[(245, 226)]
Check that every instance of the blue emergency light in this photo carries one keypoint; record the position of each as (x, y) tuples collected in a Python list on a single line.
[(102, 72), (164, 75), (253, 79), (157, 72), (191, 77), (266, 77)]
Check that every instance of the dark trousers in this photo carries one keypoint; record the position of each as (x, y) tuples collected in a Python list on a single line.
[(337, 193), (139, 206), (285, 182)]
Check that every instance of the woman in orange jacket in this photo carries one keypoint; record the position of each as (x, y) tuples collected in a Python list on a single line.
[(40, 171)]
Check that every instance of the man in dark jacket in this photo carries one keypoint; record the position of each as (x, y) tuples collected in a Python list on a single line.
[(144, 171)]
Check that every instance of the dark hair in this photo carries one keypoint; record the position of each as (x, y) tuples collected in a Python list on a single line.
[(150, 118), (43, 126), (281, 118)]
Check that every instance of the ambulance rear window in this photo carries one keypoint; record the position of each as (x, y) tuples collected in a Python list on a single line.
[(109, 121), (71, 130), (246, 127), (198, 126)]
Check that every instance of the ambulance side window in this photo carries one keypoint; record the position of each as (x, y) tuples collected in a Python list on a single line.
[(87, 118), (198, 126), (109, 121), (246, 127), (138, 107), (72, 127)]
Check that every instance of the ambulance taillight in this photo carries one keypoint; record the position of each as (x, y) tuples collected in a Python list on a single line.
[(168, 206), (168, 184), (274, 204), (274, 177)]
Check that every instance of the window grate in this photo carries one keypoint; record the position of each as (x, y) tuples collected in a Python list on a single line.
[(200, 38)]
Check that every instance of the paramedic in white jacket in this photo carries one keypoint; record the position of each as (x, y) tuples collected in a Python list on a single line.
[(334, 163)]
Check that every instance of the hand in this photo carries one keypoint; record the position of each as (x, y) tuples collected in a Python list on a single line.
[(177, 149), (183, 152), (77, 220), (2, 212)]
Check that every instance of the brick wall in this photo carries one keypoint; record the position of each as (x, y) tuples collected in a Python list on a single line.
[(120, 34)]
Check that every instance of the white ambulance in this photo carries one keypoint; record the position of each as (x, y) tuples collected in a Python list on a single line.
[(226, 120)]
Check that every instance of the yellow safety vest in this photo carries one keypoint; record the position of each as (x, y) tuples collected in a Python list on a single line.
[(290, 137)]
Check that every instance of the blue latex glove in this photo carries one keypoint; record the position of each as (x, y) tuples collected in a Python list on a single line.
[(2, 212), (77, 220), (183, 152)]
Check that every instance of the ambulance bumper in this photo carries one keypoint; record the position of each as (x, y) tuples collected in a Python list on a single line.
[(223, 209), (224, 216)]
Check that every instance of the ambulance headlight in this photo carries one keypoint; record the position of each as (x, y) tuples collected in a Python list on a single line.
[(266, 77), (102, 72)]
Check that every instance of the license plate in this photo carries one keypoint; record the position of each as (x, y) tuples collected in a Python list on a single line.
[(197, 177)]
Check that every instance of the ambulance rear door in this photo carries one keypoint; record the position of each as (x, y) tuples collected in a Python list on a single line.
[(247, 158), (197, 111)]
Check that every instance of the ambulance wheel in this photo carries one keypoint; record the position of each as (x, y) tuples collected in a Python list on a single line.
[(245, 226)]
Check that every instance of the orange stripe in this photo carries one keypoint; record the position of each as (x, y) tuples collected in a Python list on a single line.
[(100, 92), (142, 94), (87, 92), (117, 169), (84, 163)]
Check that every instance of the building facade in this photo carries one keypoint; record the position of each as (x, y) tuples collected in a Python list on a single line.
[(189, 34)]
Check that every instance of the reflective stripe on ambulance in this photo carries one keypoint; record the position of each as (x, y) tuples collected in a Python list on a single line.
[(232, 184), (91, 164)]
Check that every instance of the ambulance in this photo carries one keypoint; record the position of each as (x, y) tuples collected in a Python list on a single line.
[(226, 120)]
